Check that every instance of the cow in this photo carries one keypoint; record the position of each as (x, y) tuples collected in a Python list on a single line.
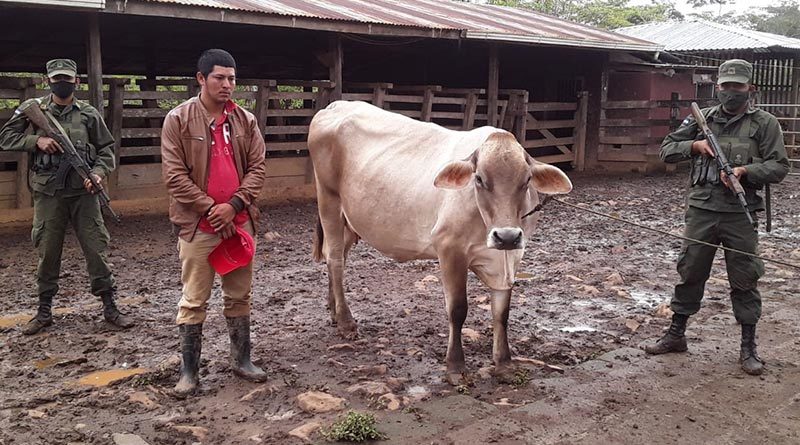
[(416, 190)]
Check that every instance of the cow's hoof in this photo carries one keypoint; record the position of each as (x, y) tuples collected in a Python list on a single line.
[(458, 379), (348, 329), (506, 372)]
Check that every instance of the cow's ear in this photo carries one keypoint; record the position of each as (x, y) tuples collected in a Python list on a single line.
[(457, 174), (548, 179)]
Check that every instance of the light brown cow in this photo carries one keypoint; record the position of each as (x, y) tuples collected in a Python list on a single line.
[(415, 190)]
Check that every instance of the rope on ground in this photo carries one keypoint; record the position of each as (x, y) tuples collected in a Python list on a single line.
[(664, 232)]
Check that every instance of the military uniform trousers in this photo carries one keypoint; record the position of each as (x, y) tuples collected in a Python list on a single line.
[(694, 263), (197, 276), (52, 215)]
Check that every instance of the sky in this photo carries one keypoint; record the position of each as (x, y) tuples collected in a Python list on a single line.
[(738, 6)]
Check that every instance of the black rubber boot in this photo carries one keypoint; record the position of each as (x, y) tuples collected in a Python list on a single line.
[(239, 330), (674, 340), (112, 314), (751, 362), (191, 347), (43, 318)]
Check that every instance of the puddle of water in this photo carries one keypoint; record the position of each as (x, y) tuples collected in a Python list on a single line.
[(104, 378), (14, 320), (647, 299), (9, 321), (46, 363), (578, 329), (416, 390)]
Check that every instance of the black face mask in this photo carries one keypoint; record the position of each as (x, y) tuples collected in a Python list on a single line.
[(62, 89), (732, 101)]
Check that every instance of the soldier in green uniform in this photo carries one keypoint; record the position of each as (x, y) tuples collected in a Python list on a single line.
[(753, 142), (61, 197)]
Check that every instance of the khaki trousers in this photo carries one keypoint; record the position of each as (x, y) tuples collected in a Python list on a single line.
[(197, 277)]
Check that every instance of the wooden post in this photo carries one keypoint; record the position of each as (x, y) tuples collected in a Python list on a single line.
[(378, 96), (521, 117), (262, 104), (581, 115), (116, 90), (427, 105), (493, 86), (24, 197), (95, 64), (335, 69), (469, 111), (795, 100)]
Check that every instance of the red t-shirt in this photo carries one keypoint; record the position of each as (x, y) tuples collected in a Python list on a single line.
[(223, 179)]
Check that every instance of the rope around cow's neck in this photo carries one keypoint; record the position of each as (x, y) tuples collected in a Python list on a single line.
[(663, 232)]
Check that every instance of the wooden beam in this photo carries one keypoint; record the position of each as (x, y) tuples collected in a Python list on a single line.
[(95, 63), (493, 86), (795, 97), (580, 131), (115, 105), (335, 69)]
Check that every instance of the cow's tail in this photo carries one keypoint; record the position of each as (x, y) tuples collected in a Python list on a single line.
[(319, 239)]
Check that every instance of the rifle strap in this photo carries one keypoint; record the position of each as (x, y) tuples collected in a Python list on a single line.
[(768, 201)]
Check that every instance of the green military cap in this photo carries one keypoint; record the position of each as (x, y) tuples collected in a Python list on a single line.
[(735, 70), (67, 67)]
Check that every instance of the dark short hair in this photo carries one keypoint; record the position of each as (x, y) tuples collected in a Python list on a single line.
[(211, 57)]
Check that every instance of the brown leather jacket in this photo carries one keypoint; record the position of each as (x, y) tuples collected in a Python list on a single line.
[(185, 154)]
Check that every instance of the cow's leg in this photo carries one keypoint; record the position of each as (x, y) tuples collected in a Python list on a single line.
[(337, 242), (454, 279), (501, 301)]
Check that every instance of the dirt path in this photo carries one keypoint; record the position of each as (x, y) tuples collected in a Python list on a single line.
[(586, 299)]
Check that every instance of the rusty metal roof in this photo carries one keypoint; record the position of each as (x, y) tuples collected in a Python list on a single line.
[(475, 21), (701, 35)]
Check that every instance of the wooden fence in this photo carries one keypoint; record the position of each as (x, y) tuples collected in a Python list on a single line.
[(135, 111), (634, 130)]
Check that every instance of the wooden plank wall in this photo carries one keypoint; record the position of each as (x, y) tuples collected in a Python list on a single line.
[(135, 111)]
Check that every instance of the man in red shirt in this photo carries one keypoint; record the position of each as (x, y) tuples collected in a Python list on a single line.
[(213, 166)]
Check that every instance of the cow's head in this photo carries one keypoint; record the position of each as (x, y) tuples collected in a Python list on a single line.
[(506, 181)]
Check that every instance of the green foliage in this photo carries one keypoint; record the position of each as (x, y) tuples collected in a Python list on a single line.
[(521, 378), (782, 18), (355, 427), (608, 14)]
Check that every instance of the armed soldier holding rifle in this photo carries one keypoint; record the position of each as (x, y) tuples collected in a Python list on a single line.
[(741, 150), (67, 186)]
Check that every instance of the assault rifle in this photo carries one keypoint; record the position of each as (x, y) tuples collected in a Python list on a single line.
[(722, 160), (53, 129)]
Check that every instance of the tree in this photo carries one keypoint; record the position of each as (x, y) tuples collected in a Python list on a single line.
[(783, 19), (608, 14)]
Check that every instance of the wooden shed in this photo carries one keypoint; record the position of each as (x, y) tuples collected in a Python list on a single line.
[(701, 46), (458, 64)]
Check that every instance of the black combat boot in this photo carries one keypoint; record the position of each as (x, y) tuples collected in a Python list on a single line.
[(43, 318), (239, 330), (112, 314), (674, 340), (191, 346), (751, 362)]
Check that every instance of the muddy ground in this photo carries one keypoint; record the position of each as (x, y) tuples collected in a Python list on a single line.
[(588, 296)]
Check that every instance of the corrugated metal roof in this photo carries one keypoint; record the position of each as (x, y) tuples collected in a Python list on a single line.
[(480, 22), (701, 35), (90, 4)]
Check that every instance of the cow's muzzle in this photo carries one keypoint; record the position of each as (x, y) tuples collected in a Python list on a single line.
[(505, 238)]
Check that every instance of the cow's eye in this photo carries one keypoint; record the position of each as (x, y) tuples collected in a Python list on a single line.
[(479, 181)]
